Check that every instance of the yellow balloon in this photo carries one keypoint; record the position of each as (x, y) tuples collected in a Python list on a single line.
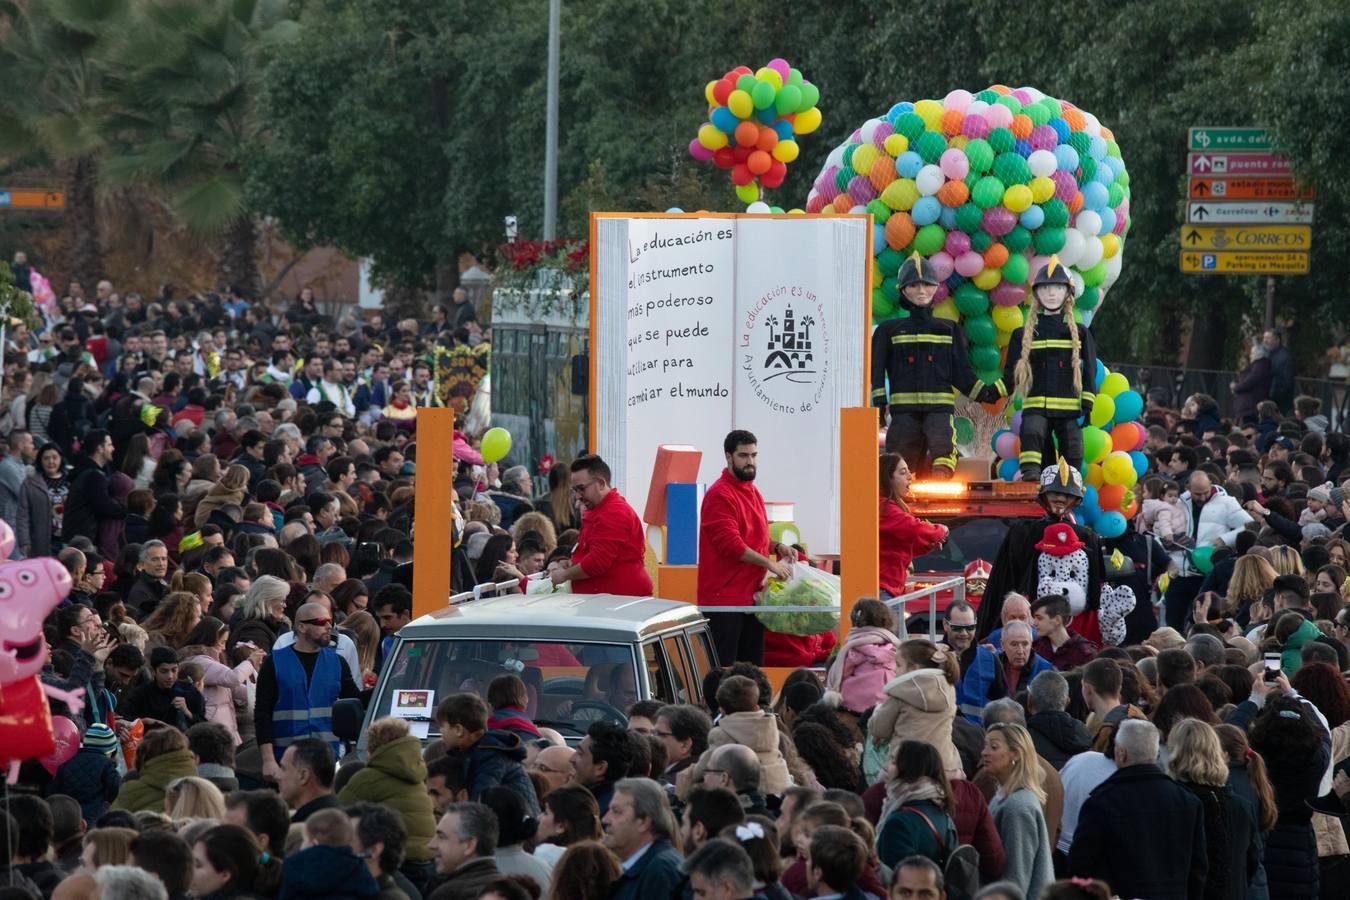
[(1114, 384), (901, 193), (748, 193), (772, 76), (1003, 338), (863, 157), (710, 137), (796, 212), (1007, 318), (931, 113), (785, 151), (1118, 469), (708, 92), (958, 141), (1017, 198), (988, 279), (1042, 189), (1110, 245), (807, 121), (1095, 476), (495, 445), (947, 310), (896, 144), (740, 104)]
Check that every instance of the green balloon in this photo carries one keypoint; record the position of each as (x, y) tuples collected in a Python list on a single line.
[(746, 83), (964, 428), (981, 241), (1094, 442), (848, 155), (890, 287), (910, 125), (1017, 240), (843, 177), (988, 192), (988, 96), (1049, 240), (1096, 275), (980, 155), (1011, 168), (880, 211), (1113, 149), (1002, 140), (1123, 179), (1089, 300), (984, 358), (1203, 559), (1087, 169), (970, 300), (1052, 106), (1056, 213), (968, 217), (929, 239), (1017, 267), (1011, 102), (890, 261), (795, 76), (981, 330), (1080, 141), (1078, 315), (810, 96), (789, 98), (930, 146), (1037, 113), (762, 93), (883, 307), (1114, 194)]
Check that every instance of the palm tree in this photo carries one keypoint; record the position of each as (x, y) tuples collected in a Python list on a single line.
[(188, 115), (56, 101)]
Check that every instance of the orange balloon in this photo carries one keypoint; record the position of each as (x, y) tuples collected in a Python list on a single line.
[(995, 408), (1124, 435), (1074, 118), (995, 256), (1021, 126), (1076, 203), (767, 139), (899, 230), (1107, 134), (1130, 506), (953, 194), (883, 173), (746, 134), (842, 204), (951, 122), (1000, 89), (759, 162), (1111, 497)]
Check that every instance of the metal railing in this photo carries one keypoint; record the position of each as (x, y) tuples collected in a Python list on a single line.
[(957, 584), (1181, 382)]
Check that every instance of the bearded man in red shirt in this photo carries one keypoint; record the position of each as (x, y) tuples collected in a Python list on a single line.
[(610, 553)]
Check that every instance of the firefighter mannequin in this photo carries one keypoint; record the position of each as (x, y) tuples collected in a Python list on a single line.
[(927, 364), (1051, 363)]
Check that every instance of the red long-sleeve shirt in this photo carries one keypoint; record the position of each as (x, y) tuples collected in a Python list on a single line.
[(611, 549), (903, 536), (731, 521)]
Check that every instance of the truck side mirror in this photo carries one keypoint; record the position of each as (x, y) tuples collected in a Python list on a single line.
[(347, 717)]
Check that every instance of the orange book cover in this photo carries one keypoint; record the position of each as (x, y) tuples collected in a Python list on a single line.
[(675, 464)]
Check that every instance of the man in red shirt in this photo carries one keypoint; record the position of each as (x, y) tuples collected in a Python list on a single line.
[(734, 550), (1063, 647), (609, 555)]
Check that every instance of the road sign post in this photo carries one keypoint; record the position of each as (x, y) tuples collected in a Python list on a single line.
[(31, 198)]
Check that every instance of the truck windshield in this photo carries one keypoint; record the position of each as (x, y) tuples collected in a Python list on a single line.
[(568, 686), (972, 537)]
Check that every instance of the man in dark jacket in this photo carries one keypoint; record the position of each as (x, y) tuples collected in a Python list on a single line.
[(1057, 734), (604, 757), (34, 840), (1281, 369), (150, 586), (465, 841), (492, 757), (162, 698), (379, 838), (638, 831), (89, 503), (1140, 831)]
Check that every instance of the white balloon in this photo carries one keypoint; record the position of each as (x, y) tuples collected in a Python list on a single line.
[(858, 210), (1073, 247), (1094, 125), (1078, 284), (869, 130), (1113, 267), (1042, 163), (1088, 315), (977, 108), (1092, 253), (929, 180), (836, 157), (1036, 95), (1088, 222), (758, 207)]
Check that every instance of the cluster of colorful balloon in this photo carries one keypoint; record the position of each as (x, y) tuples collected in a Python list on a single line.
[(754, 119), (1113, 442), (986, 186)]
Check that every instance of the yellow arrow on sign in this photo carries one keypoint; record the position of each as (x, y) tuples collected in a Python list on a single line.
[(1263, 238), (1238, 263)]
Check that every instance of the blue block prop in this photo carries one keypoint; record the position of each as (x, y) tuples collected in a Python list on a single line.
[(682, 509)]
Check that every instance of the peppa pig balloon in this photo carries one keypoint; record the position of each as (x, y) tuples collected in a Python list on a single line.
[(29, 590)]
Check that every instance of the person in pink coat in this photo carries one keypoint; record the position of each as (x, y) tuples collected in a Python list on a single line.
[(225, 688), (865, 664)]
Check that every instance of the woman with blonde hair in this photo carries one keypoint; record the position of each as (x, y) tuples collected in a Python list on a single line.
[(106, 847), (920, 702), (537, 522), (229, 491), (194, 583), (365, 633), (260, 618), (1010, 756), (173, 619), (193, 798), (1196, 760), (1286, 561), (1252, 578)]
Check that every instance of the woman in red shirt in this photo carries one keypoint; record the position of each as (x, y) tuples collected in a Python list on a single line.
[(903, 535)]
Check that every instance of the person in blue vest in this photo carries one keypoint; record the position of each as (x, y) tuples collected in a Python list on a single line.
[(993, 676), (297, 687)]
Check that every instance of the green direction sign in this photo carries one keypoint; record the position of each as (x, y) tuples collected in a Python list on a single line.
[(1212, 138)]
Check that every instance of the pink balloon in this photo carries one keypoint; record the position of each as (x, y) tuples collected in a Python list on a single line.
[(883, 130), (999, 220), (954, 164), (969, 264), (942, 264), (780, 65), (699, 152), (856, 137), (999, 116), (1043, 137), (1037, 262), (826, 184), (1022, 97), (958, 100), (861, 191), (975, 126), (1122, 213), (67, 738), (940, 294), (958, 242), (1143, 435), (1005, 445), (1005, 293), (1065, 185)]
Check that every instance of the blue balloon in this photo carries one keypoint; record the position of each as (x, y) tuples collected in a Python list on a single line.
[(784, 129), (724, 119), (1095, 195), (1103, 174), (1097, 147), (1066, 158), (954, 281), (1110, 525), (676, 209), (1129, 406), (899, 110), (1101, 374), (1007, 469), (1062, 129), (1091, 507), (1088, 315), (908, 164), (1108, 219), (993, 441), (926, 211), (1033, 218), (1023, 148), (947, 218), (878, 239), (1140, 462), (767, 115)]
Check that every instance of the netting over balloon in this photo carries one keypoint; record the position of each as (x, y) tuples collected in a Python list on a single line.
[(986, 186)]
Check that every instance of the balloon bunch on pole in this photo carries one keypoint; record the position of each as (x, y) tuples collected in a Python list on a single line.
[(754, 120), (1113, 444), (987, 186)]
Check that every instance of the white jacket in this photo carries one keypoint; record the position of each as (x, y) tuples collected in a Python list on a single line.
[(1221, 518)]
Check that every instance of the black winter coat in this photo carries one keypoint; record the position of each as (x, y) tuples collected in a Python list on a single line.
[(89, 502), (926, 362), (91, 778), (1058, 736), (1231, 841), (1051, 392)]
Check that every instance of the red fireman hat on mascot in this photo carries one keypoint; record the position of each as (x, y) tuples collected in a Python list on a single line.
[(977, 576), (1060, 539)]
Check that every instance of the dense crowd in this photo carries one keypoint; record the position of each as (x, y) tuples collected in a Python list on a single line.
[(230, 490)]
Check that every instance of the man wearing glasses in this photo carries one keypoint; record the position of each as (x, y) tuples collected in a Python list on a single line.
[(297, 687), (958, 629), (608, 557)]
